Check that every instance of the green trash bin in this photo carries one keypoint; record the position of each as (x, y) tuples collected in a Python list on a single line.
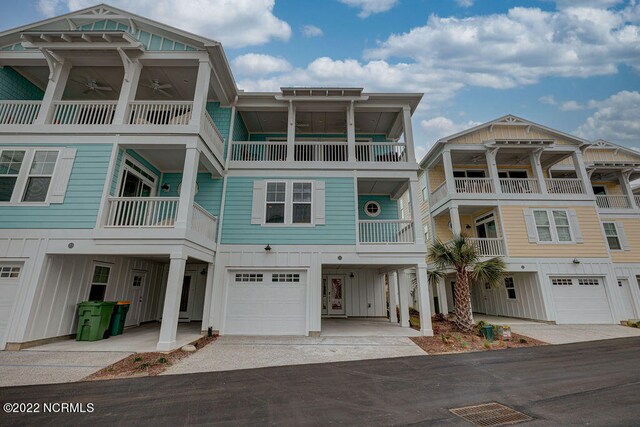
[(487, 331), (93, 319), (119, 316)]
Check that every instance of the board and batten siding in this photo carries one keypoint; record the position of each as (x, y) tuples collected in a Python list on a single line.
[(364, 294), (82, 198), (515, 231), (339, 227), (209, 194)]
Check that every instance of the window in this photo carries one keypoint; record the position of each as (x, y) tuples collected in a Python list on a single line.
[(423, 186), (285, 277), (301, 203), (10, 164), (543, 226), (588, 282), (99, 282), (426, 232), (249, 277), (9, 272), (469, 174), (552, 225), (611, 232), (561, 282), (562, 226), (372, 208), (42, 166), (513, 174), (276, 193), (511, 287)]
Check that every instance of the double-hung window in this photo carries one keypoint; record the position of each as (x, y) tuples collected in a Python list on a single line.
[(10, 164), (543, 225), (510, 287), (552, 225), (301, 204), (99, 282), (613, 239), (276, 198), (563, 229), (40, 174), (289, 202)]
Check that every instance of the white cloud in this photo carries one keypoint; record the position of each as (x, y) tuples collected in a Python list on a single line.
[(235, 23), (548, 99), (465, 3), (571, 106), (312, 31), (370, 7), (253, 64), (439, 127), (615, 120), (564, 4)]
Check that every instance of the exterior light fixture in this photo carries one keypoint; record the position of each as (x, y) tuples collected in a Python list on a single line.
[(352, 275), (165, 187), (576, 261), (267, 248)]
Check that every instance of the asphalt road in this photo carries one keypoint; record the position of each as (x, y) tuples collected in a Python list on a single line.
[(595, 383)]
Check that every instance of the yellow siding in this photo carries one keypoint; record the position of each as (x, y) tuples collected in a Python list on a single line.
[(594, 154), (436, 176), (442, 228), (632, 231), (594, 245), (505, 132)]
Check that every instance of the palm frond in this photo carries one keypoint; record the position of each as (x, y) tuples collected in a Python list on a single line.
[(490, 271), (434, 276)]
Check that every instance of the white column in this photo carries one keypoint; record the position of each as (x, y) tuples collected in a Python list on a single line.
[(55, 89), (537, 171), (423, 291), (171, 309), (351, 133), (188, 188), (442, 296), (208, 294), (403, 292), (127, 91), (415, 211), (291, 131), (408, 134), (454, 214), (201, 93), (581, 172), (492, 166), (393, 296), (623, 177), (448, 172)]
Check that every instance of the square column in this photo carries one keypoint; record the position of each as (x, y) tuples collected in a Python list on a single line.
[(537, 171), (454, 214), (423, 290), (201, 93), (492, 166), (403, 291), (171, 309), (408, 134), (291, 132), (415, 212), (133, 68), (623, 178), (442, 296), (58, 76), (448, 172), (188, 188), (351, 133), (208, 295), (393, 296), (581, 172)]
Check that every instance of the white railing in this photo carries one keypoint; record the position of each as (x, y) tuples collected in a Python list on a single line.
[(19, 112), (474, 185), (210, 129), (386, 231), (142, 211), (439, 193), (83, 112), (384, 152), (519, 185), (160, 112), (203, 223), (637, 201), (613, 202), (564, 186), (320, 151), (259, 151), (488, 246)]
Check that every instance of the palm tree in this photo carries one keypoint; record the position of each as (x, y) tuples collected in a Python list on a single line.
[(462, 256)]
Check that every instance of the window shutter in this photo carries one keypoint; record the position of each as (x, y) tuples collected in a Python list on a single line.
[(624, 242), (318, 202), (60, 179), (257, 212), (530, 225), (575, 226)]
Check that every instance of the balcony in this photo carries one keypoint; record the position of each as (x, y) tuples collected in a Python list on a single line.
[(519, 185), (616, 202), (386, 232), (564, 186), (19, 112), (488, 247)]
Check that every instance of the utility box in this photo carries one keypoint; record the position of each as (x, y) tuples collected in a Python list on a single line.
[(504, 332)]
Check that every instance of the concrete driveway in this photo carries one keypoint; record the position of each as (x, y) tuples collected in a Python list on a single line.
[(237, 352), (561, 334), (28, 367)]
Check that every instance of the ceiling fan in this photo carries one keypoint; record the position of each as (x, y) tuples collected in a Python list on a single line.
[(156, 86), (92, 86)]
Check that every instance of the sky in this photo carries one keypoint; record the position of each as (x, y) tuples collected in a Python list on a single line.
[(573, 65)]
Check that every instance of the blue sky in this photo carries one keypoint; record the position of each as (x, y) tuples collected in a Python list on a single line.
[(573, 65)]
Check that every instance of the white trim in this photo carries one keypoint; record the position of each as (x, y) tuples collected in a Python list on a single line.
[(124, 168), (372, 202), (288, 203), (23, 175), (553, 227)]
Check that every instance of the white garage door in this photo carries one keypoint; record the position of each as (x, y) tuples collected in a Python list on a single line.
[(580, 300), (9, 279), (266, 303)]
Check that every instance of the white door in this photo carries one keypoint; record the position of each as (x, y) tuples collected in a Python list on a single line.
[(580, 300), (9, 280), (325, 296), (137, 285), (626, 300), (336, 296), (266, 303)]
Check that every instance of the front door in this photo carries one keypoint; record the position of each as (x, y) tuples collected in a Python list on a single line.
[(627, 300), (336, 295), (137, 285), (325, 296), (188, 284)]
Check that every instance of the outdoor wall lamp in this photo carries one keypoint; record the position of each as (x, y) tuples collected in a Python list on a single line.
[(165, 187), (576, 261), (267, 248), (352, 275), (468, 227)]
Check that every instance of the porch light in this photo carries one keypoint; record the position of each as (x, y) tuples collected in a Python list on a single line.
[(165, 187), (576, 261), (267, 248)]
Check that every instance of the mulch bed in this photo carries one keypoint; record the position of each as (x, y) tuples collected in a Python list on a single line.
[(146, 364), (448, 339)]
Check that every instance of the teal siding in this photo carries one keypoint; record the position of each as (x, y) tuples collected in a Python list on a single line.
[(118, 168), (240, 132), (81, 202), (340, 227), (209, 190), (221, 116), (388, 207), (264, 136), (15, 87)]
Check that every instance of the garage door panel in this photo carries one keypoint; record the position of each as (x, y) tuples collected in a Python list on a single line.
[(581, 304)]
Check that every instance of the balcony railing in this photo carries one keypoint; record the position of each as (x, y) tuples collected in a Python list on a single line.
[(613, 202), (211, 130), (637, 201), (384, 152), (160, 112), (259, 151), (386, 232), (142, 212), (19, 112), (488, 246), (474, 185), (203, 223), (320, 151), (564, 186), (439, 193), (83, 112), (519, 185)]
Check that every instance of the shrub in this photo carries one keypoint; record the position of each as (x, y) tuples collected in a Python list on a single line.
[(138, 359), (522, 341), (163, 360), (446, 339), (487, 344)]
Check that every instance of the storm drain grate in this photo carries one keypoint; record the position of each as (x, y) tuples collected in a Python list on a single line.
[(491, 414)]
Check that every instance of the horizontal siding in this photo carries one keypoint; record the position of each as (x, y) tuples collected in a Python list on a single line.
[(632, 231), (436, 176), (82, 199), (15, 87), (209, 193), (506, 132), (340, 228), (264, 136), (388, 207)]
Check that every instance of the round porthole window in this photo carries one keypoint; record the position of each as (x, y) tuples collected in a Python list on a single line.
[(372, 208)]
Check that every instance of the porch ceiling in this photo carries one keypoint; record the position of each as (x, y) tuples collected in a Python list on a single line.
[(393, 187), (167, 160)]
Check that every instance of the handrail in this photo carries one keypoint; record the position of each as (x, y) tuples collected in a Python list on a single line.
[(19, 112), (564, 186), (142, 212), (83, 112), (160, 112), (386, 231), (605, 201), (519, 185), (474, 185)]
